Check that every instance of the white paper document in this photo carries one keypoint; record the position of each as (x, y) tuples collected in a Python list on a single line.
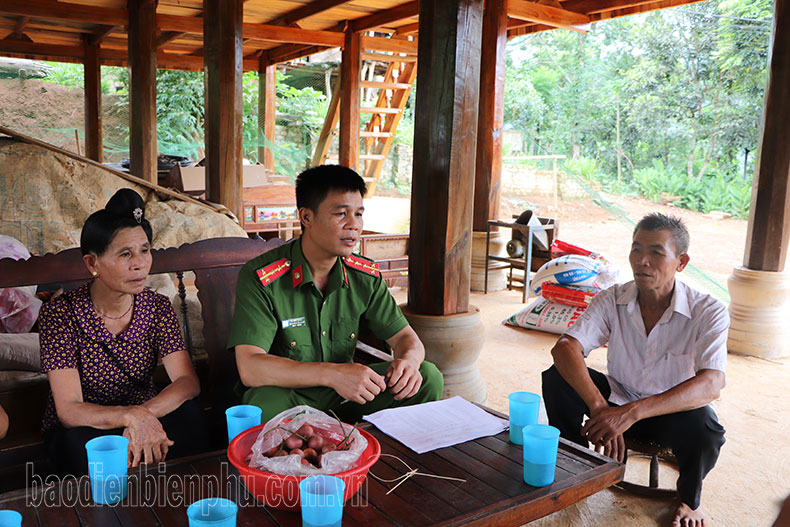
[(428, 426)]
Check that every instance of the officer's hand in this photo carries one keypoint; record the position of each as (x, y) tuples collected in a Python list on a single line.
[(403, 378), (357, 382)]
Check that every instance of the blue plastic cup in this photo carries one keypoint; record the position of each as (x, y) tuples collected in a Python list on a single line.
[(523, 411), (322, 501), (214, 512), (540, 454), (242, 417), (10, 519), (107, 461)]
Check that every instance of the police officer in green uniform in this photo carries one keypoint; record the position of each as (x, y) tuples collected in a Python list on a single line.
[(299, 309)]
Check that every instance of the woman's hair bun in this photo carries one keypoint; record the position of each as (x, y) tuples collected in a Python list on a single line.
[(124, 203), (126, 209)]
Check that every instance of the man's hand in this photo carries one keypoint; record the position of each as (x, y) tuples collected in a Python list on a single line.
[(614, 449), (357, 382), (403, 378), (148, 441), (605, 429)]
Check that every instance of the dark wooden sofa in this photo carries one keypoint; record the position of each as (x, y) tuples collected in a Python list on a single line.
[(215, 264)]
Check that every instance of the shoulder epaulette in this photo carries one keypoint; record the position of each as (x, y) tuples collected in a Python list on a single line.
[(361, 264), (273, 271)]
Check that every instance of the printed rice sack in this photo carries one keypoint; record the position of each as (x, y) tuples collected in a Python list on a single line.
[(568, 295), (561, 248), (543, 315), (575, 270)]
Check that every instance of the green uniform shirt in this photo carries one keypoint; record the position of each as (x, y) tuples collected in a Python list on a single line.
[(290, 317)]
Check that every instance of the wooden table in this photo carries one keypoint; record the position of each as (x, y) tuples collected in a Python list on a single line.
[(494, 493)]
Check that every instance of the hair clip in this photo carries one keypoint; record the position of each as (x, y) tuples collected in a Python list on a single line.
[(138, 214)]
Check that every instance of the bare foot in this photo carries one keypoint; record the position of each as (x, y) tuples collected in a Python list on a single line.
[(685, 516)]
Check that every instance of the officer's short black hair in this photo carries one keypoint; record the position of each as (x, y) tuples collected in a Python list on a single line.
[(658, 222), (313, 185)]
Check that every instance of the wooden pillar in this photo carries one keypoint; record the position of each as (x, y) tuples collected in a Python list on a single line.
[(769, 216), (93, 120), (349, 100), (445, 141), (267, 98), (488, 170), (222, 31), (142, 110)]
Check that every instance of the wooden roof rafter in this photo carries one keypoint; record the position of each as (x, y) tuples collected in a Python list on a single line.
[(306, 11), (18, 32), (547, 15)]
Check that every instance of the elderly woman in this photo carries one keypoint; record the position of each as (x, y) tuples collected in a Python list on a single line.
[(100, 344)]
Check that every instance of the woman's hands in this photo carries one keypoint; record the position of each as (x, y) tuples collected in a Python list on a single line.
[(148, 441)]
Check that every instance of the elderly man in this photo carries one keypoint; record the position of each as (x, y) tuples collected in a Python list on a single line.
[(666, 359)]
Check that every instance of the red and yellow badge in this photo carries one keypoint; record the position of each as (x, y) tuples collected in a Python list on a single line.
[(360, 264), (273, 271)]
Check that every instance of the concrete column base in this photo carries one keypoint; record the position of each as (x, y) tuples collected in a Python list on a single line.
[(453, 343), (497, 271), (759, 313)]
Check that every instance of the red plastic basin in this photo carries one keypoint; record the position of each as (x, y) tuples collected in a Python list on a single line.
[(282, 492)]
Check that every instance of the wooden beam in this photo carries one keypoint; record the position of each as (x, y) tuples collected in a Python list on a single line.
[(388, 16), (268, 33), (100, 33), (267, 98), (330, 123), (93, 116), (288, 52), (350, 70), (33, 50), (19, 28), (306, 11), (383, 57), (389, 44), (167, 36), (292, 35), (491, 116), (62, 11), (408, 29), (543, 14), (222, 41), (445, 141), (769, 215), (142, 109)]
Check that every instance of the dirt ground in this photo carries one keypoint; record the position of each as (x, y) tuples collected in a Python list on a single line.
[(50, 112), (753, 472)]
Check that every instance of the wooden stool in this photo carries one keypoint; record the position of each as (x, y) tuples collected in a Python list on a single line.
[(655, 453)]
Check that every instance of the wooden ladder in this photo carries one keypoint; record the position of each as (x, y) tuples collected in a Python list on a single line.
[(393, 94)]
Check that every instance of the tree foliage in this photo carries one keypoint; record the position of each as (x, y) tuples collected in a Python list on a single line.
[(684, 86)]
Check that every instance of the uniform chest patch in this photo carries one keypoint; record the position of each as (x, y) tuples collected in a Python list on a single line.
[(293, 323)]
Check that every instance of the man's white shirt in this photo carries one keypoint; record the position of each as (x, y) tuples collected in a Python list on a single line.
[(690, 336)]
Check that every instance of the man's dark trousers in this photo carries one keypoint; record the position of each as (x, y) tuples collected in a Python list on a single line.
[(695, 436)]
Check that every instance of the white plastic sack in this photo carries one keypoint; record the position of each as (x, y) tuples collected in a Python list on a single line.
[(573, 269), (543, 315), (289, 421), (18, 305)]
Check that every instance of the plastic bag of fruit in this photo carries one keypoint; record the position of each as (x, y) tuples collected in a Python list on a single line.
[(303, 441)]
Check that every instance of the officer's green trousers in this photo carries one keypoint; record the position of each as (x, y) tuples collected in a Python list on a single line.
[(273, 399)]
